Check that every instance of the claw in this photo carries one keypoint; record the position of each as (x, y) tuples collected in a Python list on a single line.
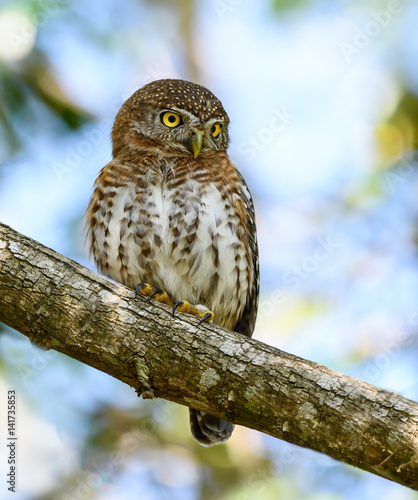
[(180, 306), (176, 305), (147, 289), (185, 307), (160, 295), (206, 317)]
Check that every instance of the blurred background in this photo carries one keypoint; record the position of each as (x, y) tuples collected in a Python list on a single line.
[(323, 101)]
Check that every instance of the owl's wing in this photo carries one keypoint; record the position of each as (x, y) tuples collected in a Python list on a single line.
[(246, 322)]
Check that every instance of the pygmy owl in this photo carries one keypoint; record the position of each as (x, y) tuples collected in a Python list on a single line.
[(172, 214)]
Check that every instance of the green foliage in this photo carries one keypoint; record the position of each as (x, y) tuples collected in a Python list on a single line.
[(283, 6), (33, 81)]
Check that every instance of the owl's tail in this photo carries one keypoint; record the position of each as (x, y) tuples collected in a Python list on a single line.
[(209, 430)]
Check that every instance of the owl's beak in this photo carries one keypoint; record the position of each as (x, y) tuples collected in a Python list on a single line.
[(196, 142)]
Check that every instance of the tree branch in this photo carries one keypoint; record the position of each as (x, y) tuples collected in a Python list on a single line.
[(60, 305)]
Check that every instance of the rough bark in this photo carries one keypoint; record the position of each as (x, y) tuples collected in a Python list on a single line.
[(60, 305)]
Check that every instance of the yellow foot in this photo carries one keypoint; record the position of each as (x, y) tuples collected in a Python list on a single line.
[(199, 311), (182, 305), (160, 295)]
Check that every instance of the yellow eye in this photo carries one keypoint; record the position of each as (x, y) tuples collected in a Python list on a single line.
[(214, 131), (170, 119)]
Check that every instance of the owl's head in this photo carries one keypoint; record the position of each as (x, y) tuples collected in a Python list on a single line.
[(179, 116)]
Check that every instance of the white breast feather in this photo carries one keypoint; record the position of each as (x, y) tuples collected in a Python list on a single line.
[(186, 278)]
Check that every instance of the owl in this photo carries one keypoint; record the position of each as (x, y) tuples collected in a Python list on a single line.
[(171, 216)]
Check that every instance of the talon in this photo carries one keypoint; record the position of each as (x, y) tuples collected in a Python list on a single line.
[(198, 311), (207, 317), (183, 306), (162, 297), (157, 292), (176, 305), (143, 289)]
